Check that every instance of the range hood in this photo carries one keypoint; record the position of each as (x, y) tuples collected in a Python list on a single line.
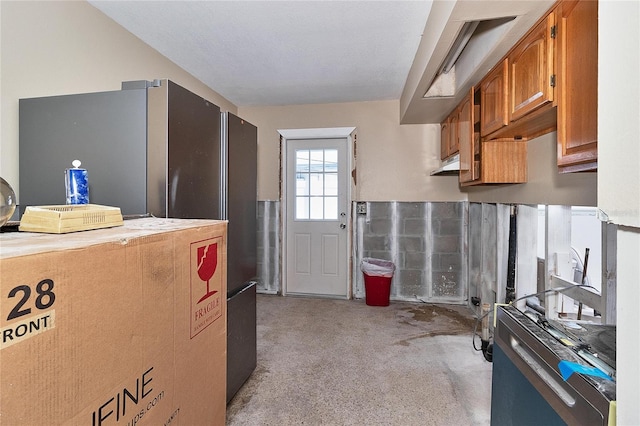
[(450, 166)]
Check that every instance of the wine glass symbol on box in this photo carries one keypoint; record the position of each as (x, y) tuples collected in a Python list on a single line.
[(207, 267), (77, 184), (207, 264)]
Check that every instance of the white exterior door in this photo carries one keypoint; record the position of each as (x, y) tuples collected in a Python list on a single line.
[(317, 217)]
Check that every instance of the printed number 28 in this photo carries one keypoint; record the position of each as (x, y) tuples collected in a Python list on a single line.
[(44, 299)]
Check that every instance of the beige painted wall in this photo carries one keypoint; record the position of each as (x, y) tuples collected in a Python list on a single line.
[(54, 48)]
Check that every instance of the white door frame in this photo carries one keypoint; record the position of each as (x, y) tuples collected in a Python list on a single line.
[(319, 133)]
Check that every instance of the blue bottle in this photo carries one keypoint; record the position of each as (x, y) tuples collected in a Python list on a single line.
[(77, 184)]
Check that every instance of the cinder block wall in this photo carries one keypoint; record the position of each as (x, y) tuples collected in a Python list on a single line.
[(425, 240)]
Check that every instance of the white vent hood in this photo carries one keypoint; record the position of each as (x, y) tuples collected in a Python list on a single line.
[(450, 166)]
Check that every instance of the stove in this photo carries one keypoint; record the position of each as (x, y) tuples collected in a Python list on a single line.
[(528, 383)]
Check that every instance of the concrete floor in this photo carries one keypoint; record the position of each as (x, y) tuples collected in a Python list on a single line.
[(339, 362)]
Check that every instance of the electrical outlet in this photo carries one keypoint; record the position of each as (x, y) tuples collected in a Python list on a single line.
[(361, 208)]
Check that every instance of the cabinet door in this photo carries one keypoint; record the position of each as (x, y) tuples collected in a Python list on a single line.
[(454, 131), (493, 102), (530, 70), (578, 86), (444, 139), (466, 138)]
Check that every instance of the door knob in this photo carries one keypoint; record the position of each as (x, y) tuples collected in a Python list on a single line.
[(342, 226)]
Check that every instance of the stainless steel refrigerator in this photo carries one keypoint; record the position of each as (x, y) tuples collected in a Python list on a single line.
[(155, 148), (240, 158)]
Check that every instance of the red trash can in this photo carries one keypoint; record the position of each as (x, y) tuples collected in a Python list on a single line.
[(378, 274)]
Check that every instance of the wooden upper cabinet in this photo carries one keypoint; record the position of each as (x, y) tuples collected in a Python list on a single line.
[(493, 100), (531, 70), (554, 65), (449, 135), (578, 85)]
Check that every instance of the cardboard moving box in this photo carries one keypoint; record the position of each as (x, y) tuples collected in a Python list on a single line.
[(121, 326)]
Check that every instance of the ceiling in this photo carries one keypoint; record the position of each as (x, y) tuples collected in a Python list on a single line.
[(283, 52), (295, 52)]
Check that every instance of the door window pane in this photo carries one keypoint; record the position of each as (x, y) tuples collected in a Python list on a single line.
[(331, 208), (331, 160), (316, 184), (316, 161), (331, 184), (315, 210), (302, 160), (302, 184), (302, 207)]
